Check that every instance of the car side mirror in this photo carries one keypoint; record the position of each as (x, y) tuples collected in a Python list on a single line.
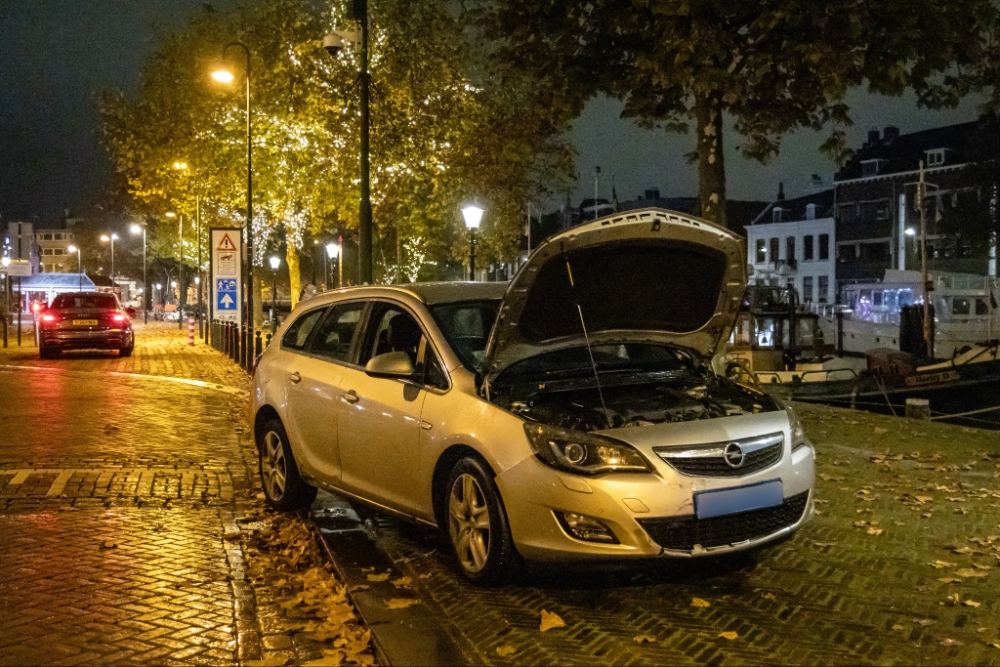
[(130, 311), (390, 365)]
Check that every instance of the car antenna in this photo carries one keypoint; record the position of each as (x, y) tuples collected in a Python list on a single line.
[(586, 337)]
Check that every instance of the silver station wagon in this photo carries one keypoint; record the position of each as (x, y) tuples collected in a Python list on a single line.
[(572, 414)]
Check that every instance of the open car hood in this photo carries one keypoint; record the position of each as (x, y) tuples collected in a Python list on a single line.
[(646, 276)]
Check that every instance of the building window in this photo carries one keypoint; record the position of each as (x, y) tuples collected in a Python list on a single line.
[(776, 214), (872, 167), (774, 250), (761, 251), (46, 237), (47, 251), (935, 157), (807, 248), (807, 289), (810, 211), (790, 250), (824, 246), (824, 289), (58, 251)]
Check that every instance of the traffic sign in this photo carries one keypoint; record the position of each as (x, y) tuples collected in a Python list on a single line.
[(226, 295)]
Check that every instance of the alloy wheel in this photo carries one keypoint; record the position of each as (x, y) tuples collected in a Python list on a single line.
[(469, 522), (274, 466)]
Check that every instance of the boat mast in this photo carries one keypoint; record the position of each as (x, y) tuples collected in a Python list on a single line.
[(921, 194)]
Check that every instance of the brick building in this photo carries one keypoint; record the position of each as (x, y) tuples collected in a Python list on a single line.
[(876, 208)]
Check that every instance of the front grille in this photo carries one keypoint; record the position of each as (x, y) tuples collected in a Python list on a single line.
[(683, 533), (710, 460)]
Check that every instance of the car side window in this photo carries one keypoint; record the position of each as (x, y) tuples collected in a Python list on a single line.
[(334, 336), (298, 334), (434, 375), (391, 329)]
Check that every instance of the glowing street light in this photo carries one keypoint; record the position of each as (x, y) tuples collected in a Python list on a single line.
[(225, 76), (79, 264), (473, 216), (333, 251), (112, 238)]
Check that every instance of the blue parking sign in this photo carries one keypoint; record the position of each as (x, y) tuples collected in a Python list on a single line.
[(226, 299)]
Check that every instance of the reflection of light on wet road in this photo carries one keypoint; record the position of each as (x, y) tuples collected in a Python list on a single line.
[(162, 378)]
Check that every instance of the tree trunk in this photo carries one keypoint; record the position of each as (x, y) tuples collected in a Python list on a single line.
[(294, 272), (711, 165), (258, 295)]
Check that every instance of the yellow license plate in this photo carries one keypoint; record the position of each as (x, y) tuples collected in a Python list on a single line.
[(85, 323)]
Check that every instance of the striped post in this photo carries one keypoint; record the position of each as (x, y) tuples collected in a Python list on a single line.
[(190, 331)]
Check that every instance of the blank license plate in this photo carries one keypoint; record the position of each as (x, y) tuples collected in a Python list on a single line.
[(739, 499), (85, 323)]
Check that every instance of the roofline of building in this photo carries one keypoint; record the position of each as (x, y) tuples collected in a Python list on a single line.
[(876, 177)]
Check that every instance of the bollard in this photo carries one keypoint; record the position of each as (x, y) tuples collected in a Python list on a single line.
[(258, 347), (190, 331), (918, 408), (267, 342)]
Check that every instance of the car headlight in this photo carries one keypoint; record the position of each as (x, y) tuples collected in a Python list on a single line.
[(798, 433), (583, 453)]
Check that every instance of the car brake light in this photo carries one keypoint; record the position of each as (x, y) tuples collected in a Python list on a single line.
[(118, 317), (48, 318)]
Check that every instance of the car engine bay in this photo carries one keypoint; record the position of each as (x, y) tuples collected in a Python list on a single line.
[(636, 403)]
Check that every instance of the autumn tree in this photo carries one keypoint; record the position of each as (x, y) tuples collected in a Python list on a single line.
[(772, 66)]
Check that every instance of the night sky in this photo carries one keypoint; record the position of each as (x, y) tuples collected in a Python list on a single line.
[(57, 55)]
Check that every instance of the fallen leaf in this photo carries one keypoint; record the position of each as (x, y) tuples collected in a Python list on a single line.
[(378, 577), (823, 545), (402, 582), (941, 564), (971, 603), (994, 644), (698, 602), (950, 642), (728, 635), (874, 531), (926, 621), (401, 603), (969, 572), (897, 626), (879, 430), (949, 580), (643, 639), (504, 651), (768, 596), (982, 567), (551, 620)]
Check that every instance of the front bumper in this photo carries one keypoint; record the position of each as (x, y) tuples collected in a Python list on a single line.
[(650, 514), (68, 339)]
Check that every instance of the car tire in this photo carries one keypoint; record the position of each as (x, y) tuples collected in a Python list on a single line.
[(127, 351), (284, 487), (46, 352), (476, 526)]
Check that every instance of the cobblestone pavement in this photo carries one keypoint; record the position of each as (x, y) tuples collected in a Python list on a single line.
[(121, 498), (899, 567)]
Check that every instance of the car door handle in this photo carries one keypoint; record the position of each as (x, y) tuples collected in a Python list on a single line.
[(350, 396), (295, 377)]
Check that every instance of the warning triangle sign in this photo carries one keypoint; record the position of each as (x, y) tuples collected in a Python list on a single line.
[(226, 243)]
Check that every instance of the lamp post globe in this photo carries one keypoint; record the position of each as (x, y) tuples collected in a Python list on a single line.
[(473, 216)]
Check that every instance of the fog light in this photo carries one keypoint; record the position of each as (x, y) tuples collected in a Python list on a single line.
[(586, 528)]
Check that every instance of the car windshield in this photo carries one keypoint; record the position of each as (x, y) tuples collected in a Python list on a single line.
[(467, 326), (628, 358), (99, 301)]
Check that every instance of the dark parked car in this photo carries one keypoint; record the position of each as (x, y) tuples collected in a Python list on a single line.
[(82, 321)]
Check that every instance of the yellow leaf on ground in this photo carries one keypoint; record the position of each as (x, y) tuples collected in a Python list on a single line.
[(504, 651), (402, 582), (401, 603), (949, 580), (644, 639), (950, 642), (728, 635), (874, 531), (897, 626), (969, 572), (927, 621), (970, 603), (941, 563), (698, 602), (378, 577), (995, 644), (551, 620)]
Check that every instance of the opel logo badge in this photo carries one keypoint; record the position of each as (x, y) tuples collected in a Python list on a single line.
[(734, 455)]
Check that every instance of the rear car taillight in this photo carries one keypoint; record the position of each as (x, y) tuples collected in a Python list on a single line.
[(49, 318), (119, 317)]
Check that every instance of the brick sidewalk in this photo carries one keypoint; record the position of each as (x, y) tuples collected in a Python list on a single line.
[(126, 499)]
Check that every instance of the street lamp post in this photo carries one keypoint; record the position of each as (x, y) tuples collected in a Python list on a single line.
[(137, 229), (275, 263), (333, 251), (227, 77), (473, 216), (79, 265), (112, 238)]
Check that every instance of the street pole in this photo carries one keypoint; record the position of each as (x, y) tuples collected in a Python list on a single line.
[(472, 256), (112, 237), (146, 297), (921, 194), (201, 281), (365, 217), (181, 292), (597, 174)]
